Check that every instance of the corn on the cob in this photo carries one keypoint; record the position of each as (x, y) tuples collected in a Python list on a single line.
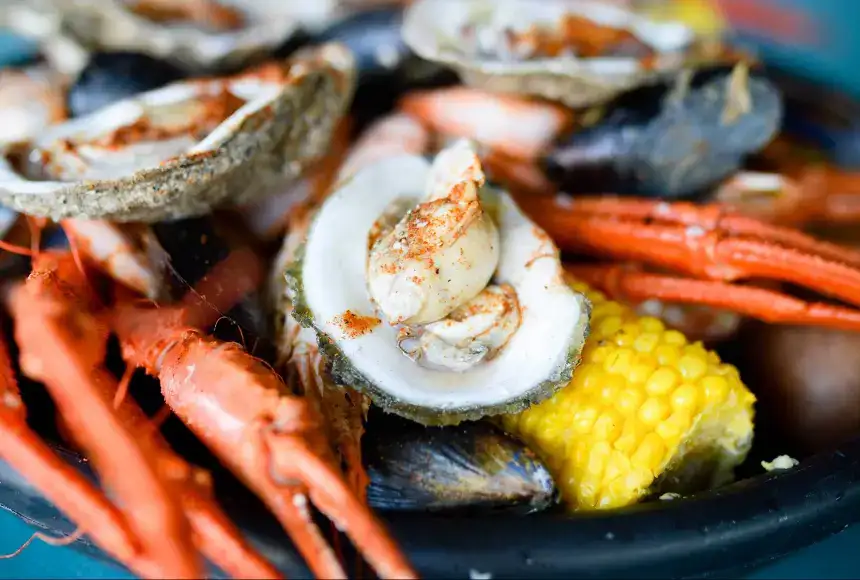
[(646, 412)]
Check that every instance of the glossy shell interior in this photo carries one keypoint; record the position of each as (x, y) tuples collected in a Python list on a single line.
[(286, 123), (430, 27)]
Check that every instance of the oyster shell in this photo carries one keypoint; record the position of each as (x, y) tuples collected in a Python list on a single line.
[(486, 58), (181, 150), (328, 284), (64, 27)]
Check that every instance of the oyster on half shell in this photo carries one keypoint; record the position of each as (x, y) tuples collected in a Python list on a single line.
[(196, 34), (475, 282), (183, 149), (495, 45)]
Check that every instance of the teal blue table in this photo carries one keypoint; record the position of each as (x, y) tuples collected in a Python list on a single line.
[(831, 559)]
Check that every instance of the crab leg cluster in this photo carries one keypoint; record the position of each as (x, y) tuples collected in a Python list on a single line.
[(712, 246), (272, 440), (165, 513), (63, 345), (78, 498)]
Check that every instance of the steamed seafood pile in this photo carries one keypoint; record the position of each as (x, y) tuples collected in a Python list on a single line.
[(450, 256)]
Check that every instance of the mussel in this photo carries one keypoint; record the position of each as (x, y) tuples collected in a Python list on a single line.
[(473, 466), (674, 140), (374, 38), (386, 67), (113, 76)]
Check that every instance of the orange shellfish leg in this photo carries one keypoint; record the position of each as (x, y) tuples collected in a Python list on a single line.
[(638, 231), (81, 501), (392, 135), (634, 286), (222, 287), (711, 255), (523, 176), (344, 413), (267, 218), (62, 345), (512, 125), (215, 535), (273, 441), (708, 217)]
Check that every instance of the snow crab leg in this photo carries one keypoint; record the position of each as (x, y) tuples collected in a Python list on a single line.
[(631, 284), (708, 243), (63, 346), (344, 409), (395, 134), (270, 439), (820, 193), (268, 217), (129, 253), (77, 497), (58, 282)]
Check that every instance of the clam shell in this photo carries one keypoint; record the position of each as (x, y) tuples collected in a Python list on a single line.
[(286, 123), (430, 25), (112, 25)]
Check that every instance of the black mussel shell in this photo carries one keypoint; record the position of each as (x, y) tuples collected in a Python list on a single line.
[(470, 467), (112, 76), (387, 68), (671, 144), (196, 246), (374, 38)]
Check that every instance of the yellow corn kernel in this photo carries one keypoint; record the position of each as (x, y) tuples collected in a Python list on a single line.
[(642, 401), (661, 381)]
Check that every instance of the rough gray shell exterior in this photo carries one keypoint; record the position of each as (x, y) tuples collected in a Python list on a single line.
[(271, 146)]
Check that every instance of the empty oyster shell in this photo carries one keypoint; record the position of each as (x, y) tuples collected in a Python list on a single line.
[(180, 150), (480, 40), (162, 28)]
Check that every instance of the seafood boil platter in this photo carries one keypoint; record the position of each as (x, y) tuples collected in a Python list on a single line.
[(420, 288)]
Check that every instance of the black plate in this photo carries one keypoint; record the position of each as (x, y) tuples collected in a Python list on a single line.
[(717, 534)]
